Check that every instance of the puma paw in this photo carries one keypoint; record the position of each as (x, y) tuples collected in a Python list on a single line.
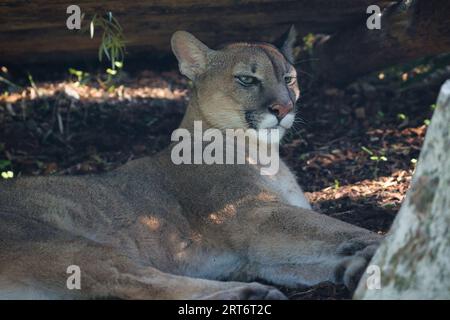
[(357, 254), (250, 291)]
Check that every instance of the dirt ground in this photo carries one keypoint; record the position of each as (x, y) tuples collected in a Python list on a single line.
[(353, 149)]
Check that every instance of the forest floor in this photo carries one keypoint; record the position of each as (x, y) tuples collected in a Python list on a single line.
[(353, 156)]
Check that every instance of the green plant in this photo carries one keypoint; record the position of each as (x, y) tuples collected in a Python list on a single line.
[(113, 42), (376, 158), (33, 84), (4, 164), (337, 184), (8, 174), (110, 76), (82, 77), (112, 46), (308, 41)]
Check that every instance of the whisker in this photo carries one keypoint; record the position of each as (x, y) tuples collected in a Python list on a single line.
[(307, 73), (306, 60)]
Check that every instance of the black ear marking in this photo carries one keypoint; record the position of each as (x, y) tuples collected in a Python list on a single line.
[(286, 43)]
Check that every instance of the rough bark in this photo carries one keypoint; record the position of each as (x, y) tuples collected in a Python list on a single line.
[(414, 259), (407, 32), (35, 31)]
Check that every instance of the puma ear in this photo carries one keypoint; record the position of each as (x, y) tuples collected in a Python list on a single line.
[(286, 44), (191, 54)]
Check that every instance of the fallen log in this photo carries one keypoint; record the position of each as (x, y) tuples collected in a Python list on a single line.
[(35, 31), (409, 30)]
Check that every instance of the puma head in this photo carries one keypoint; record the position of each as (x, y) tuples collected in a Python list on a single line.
[(242, 85)]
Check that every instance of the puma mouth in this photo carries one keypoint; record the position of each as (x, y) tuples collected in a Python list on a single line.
[(287, 121), (268, 121)]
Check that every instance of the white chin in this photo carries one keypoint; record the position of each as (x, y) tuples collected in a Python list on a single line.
[(268, 121), (287, 121)]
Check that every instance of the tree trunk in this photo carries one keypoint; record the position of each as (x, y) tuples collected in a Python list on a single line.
[(408, 31), (414, 259)]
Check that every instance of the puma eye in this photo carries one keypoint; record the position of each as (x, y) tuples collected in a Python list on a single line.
[(247, 80), (289, 80)]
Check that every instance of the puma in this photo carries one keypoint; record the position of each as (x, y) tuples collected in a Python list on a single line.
[(152, 229)]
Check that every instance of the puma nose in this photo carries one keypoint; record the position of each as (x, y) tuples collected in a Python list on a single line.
[(281, 110)]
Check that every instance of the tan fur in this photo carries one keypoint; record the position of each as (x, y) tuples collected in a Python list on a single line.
[(155, 230)]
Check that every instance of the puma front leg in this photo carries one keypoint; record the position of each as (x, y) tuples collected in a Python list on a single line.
[(295, 247)]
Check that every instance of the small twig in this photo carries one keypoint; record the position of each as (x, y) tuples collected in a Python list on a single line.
[(9, 83)]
